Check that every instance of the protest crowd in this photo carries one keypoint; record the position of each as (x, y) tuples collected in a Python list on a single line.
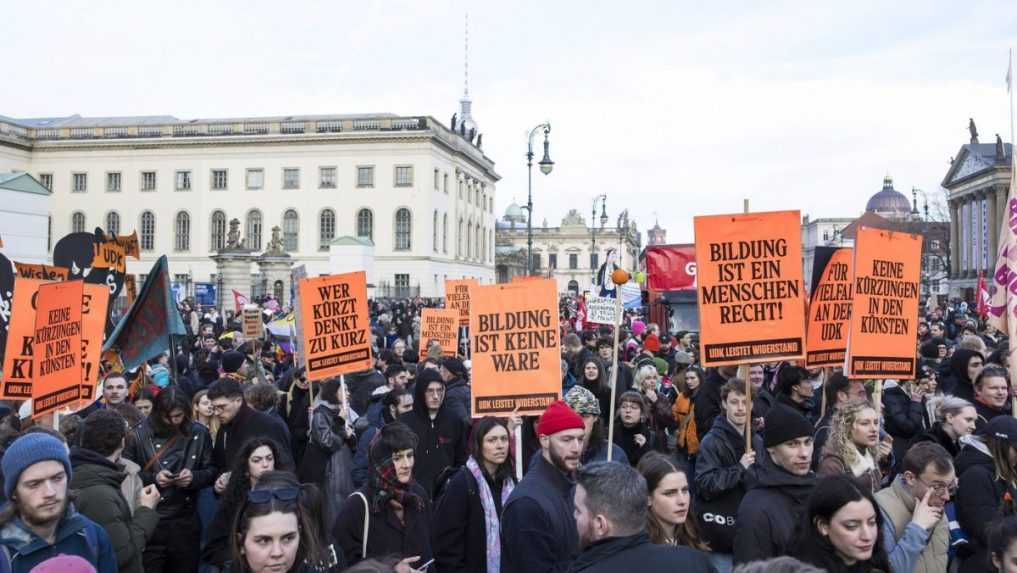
[(223, 453)]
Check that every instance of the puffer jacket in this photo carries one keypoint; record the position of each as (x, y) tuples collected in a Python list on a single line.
[(75, 535)]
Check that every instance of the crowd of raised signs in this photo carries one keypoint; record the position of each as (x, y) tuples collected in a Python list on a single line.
[(223, 457)]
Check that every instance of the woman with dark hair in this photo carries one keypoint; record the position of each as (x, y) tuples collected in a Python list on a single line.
[(632, 431), (1003, 544), (669, 520), (467, 518), (144, 400), (391, 515), (174, 453), (256, 457), (987, 473), (839, 531), (593, 377), (328, 460), (275, 529), (684, 410)]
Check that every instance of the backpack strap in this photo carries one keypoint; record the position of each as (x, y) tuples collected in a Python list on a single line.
[(367, 522)]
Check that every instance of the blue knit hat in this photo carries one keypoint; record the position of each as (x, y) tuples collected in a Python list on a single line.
[(31, 449)]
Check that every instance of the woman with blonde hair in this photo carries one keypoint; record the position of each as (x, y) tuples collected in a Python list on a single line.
[(854, 447)]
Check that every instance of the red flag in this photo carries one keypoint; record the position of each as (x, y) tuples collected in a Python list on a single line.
[(239, 300), (983, 297)]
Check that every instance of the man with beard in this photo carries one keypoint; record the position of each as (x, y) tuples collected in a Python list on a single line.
[(610, 513), (39, 523), (114, 391), (782, 482), (538, 532)]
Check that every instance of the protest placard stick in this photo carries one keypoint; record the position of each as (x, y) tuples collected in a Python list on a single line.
[(519, 452), (822, 392), (614, 369), (748, 416), (877, 401)]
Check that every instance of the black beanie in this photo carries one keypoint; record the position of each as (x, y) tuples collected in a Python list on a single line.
[(232, 360), (782, 424)]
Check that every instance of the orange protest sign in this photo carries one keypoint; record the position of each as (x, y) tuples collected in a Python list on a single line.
[(516, 347), (750, 289), (337, 331), (457, 296), (18, 368), (57, 347), (884, 316), (830, 312), (441, 325), (45, 272), (94, 303), (130, 244), (109, 255)]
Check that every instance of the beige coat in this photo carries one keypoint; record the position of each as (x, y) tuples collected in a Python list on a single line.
[(898, 504)]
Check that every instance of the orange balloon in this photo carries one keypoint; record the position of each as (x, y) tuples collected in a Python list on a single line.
[(620, 276)]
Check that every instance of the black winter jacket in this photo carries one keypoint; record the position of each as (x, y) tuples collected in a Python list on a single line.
[(192, 451), (936, 435), (636, 553), (386, 534), (457, 398), (770, 512), (905, 419), (986, 413), (958, 383), (707, 402), (362, 385), (248, 423), (979, 500), (538, 529), (459, 536), (720, 477), (625, 438), (441, 442)]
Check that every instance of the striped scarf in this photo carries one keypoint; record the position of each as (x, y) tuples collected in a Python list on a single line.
[(492, 521)]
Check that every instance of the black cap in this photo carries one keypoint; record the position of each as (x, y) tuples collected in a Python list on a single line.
[(1002, 428), (782, 424)]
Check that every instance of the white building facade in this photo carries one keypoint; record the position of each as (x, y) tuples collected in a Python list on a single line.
[(423, 194), (824, 232), (24, 218)]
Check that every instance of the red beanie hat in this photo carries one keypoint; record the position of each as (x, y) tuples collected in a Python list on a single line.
[(558, 417), (652, 343)]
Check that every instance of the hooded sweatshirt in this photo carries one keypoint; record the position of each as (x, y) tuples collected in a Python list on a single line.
[(978, 500), (770, 511), (958, 383), (441, 441)]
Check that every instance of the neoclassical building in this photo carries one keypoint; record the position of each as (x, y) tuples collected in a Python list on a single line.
[(421, 193), (570, 253), (978, 183)]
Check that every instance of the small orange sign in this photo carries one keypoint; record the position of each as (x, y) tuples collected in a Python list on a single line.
[(830, 312), (45, 272), (57, 347), (94, 303), (750, 289), (337, 330), (457, 296), (516, 347), (884, 316), (441, 325), (19, 369)]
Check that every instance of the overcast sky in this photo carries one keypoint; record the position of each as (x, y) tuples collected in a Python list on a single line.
[(670, 108)]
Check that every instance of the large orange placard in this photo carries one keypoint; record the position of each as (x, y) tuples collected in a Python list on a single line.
[(884, 316), (830, 312), (94, 304), (57, 347), (18, 367), (516, 360), (457, 296), (750, 289), (337, 329), (441, 324)]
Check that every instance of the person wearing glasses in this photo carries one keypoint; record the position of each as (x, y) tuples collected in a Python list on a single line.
[(240, 422), (988, 485), (916, 532), (441, 433)]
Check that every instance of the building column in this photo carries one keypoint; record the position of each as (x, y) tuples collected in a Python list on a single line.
[(954, 239), (976, 204), (993, 229)]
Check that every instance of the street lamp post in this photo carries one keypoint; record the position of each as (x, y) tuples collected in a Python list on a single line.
[(602, 199), (546, 165)]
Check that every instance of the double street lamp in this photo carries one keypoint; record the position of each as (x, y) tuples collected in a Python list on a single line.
[(546, 165)]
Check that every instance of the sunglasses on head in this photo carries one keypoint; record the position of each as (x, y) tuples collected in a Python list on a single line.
[(266, 495)]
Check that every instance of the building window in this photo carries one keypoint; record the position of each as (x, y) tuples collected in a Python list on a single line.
[(402, 281), (594, 260), (79, 183), (445, 183), (468, 253), (435, 179), (403, 175), (326, 229), (365, 176), (826, 235), (934, 244), (535, 261), (327, 178), (218, 230), (291, 178), (365, 224), (291, 230), (253, 240), (434, 232), (146, 238), (113, 223), (403, 229), (573, 261), (459, 240), (78, 222), (148, 180), (552, 260), (444, 233), (255, 178), (220, 179), (47, 180), (183, 181), (182, 232), (113, 182), (490, 245)]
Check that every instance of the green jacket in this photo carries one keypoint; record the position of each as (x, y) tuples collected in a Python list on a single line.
[(97, 481)]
